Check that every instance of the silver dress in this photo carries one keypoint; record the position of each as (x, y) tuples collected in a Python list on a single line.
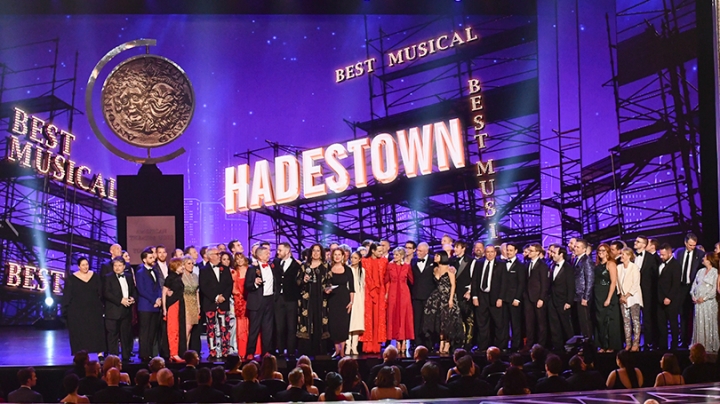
[(705, 329)]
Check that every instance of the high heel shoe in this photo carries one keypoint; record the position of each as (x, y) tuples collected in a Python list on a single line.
[(176, 359)]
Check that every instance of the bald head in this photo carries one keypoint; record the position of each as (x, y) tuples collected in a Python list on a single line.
[(165, 377), (493, 354), (421, 353), (113, 377), (390, 353), (115, 250)]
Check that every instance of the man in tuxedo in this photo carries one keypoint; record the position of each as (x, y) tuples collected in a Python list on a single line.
[(668, 285), (106, 268), (287, 293), (562, 296), (431, 387), (648, 285), (25, 394), (216, 287), (295, 393), (165, 391), (584, 279), (421, 289), (149, 303), (535, 298), (119, 294), (203, 257), (515, 279), (260, 291), (412, 371), (487, 292), (189, 372), (690, 259), (461, 263)]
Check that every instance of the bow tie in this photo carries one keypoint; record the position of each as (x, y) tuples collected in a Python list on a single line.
[(215, 267), (421, 259), (558, 266), (264, 265), (120, 276)]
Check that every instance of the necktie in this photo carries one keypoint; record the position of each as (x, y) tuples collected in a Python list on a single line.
[(484, 284), (686, 266), (530, 269)]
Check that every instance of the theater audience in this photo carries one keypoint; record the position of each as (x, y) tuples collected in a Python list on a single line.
[(308, 374), (536, 367), (155, 366), (453, 371), (495, 363), (412, 376), (390, 358), (79, 361), (295, 391), (70, 386), (304, 360), (204, 392), (268, 368), (113, 393), (91, 383), (385, 386), (514, 383), (113, 361), (352, 382), (165, 391), (583, 379), (219, 381), (333, 389), (553, 382), (670, 375), (250, 390), (431, 387), (516, 360), (233, 363), (467, 385), (142, 383), (399, 383), (627, 376), (189, 372), (699, 371)]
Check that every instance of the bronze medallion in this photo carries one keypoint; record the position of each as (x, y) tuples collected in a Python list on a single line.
[(148, 101)]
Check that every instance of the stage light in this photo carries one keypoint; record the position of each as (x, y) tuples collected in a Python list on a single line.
[(49, 301)]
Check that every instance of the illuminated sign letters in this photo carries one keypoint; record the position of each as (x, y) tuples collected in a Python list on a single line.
[(31, 278)]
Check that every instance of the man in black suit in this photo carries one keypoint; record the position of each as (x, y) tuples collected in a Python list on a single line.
[(115, 251), (287, 294), (422, 287), (120, 294), (25, 394), (583, 379), (461, 262), (562, 295), (535, 298), (412, 371), (295, 393), (91, 383), (204, 393), (495, 363), (690, 259), (669, 273), (648, 285), (215, 289), (260, 288), (165, 391), (487, 292), (142, 384), (189, 372), (431, 387), (553, 383), (250, 390), (584, 279), (390, 358), (113, 393), (219, 380), (515, 279), (467, 385)]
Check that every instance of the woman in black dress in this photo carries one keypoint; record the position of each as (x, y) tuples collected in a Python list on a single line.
[(83, 307), (441, 318), (173, 303), (314, 282), (340, 301), (607, 305)]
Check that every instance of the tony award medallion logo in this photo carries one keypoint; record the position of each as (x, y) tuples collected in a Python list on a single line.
[(147, 101)]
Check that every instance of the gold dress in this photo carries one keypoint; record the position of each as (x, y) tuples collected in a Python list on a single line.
[(192, 306)]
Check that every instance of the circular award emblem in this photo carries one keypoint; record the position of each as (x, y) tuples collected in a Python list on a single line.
[(148, 101)]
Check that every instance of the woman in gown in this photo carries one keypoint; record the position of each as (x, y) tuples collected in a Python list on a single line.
[(357, 313), (631, 298), (82, 305), (174, 309), (607, 309), (191, 296), (705, 329), (242, 323), (315, 285), (400, 314), (340, 300), (441, 315), (375, 300)]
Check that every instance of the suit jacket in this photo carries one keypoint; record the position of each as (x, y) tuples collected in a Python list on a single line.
[(106, 268), (555, 384), (587, 380), (669, 281), (695, 262), (584, 278), (495, 367), (469, 386), (294, 394), (562, 289), (515, 278), (254, 293), (187, 373), (164, 394), (423, 284), (462, 276), (496, 283), (537, 286), (25, 395), (251, 392), (206, 394), (112, 292), (286, 280), (648, 273), (90, 385), (210, 287), (148, 289), (114, 394), (412, 376), (426, 390)]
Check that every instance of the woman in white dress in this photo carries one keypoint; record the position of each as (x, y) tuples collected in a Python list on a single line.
[(357, 313), (630, 298), (705, 328)]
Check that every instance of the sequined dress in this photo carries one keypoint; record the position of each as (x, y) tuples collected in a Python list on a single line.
[(705, 328), (192, 306)]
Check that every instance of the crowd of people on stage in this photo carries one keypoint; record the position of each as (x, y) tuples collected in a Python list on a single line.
[(346, 302)]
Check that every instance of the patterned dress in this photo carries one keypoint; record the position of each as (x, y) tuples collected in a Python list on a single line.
[(400, 314), (313, 309), (242, 323), (705, 329), (375, 305), (439, 320)]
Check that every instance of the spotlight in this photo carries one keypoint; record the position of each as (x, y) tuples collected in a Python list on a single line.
[(49, 301)]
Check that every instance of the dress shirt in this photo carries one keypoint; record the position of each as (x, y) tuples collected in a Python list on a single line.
[(532, 265), (421, 264), (510, 263), (216, 270), (639, 259), (267, 277), (152, 273), (557, 267), (123, 285), (164, 268), (472, 271), (286, 264)]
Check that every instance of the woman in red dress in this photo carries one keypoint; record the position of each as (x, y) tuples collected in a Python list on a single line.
[(375, 300), (242, 323), (400, 315)]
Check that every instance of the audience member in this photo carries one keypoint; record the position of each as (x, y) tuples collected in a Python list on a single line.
[(514, 383), (155, 365), (352, 382), (385, 386), (431, 387), (305, 360), (467, 385), (536, 368), (142, 383), (581, 378), (113, 393), (233, 363), (495, 364), (91, 383), (399, 383), (204, 392), (333, 389), (309, 376), (295, 391), (453, 371), (670, 375), (25, 394), (699, 371), (189, 372), (219, 381), (552, 383), (70, 387), (165, 391), (250, 390), (412, 376), (79, 361), (516, 360), (390, 356), (113, 361), (626, 376), (268, 368)]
